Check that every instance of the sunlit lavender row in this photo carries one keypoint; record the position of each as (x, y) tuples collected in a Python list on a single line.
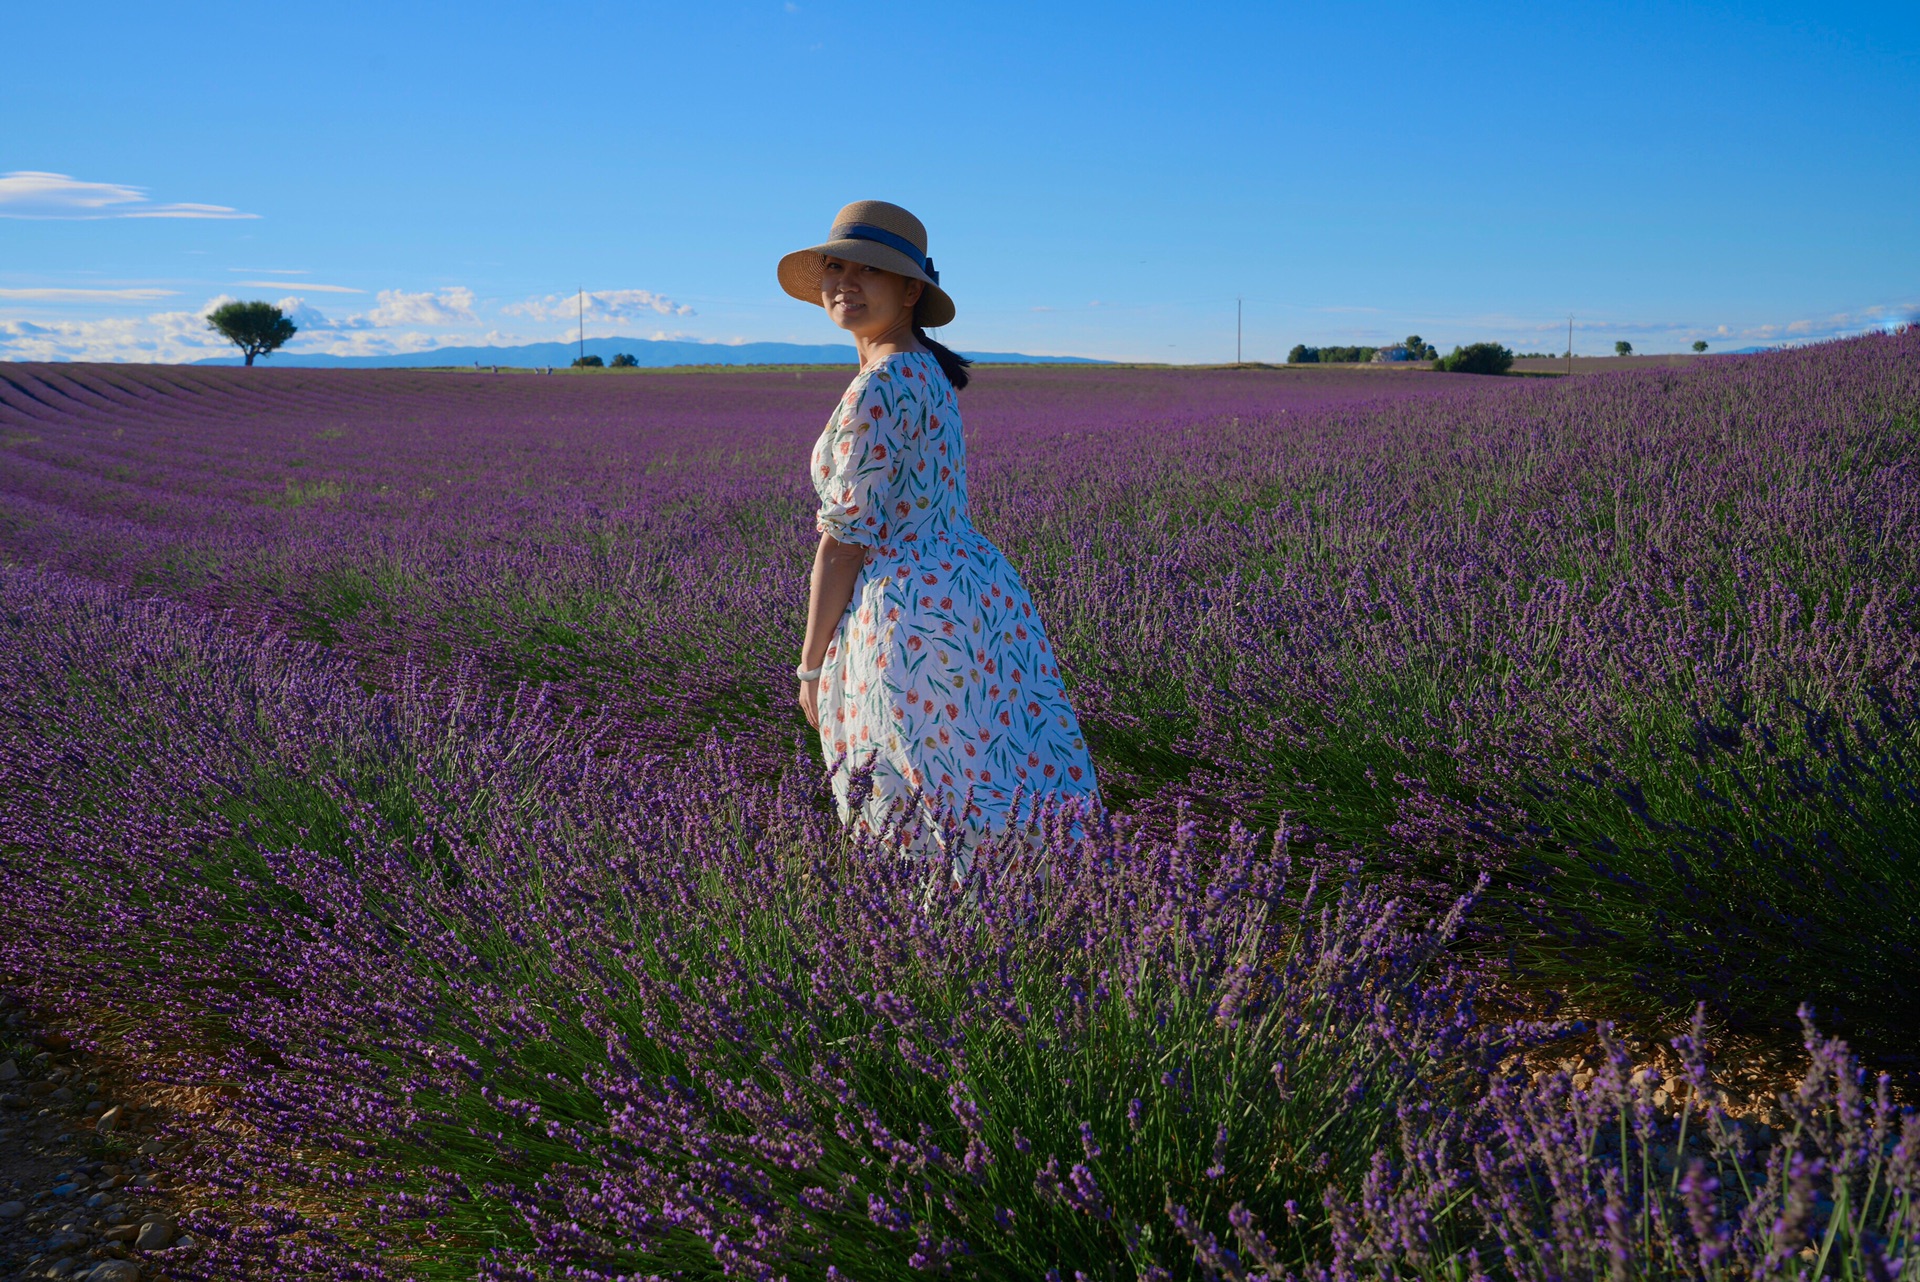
[(413, 754)]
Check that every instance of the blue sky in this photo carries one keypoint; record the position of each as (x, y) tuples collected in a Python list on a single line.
[(1099, 180)]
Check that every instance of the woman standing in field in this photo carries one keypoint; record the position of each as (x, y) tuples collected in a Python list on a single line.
[(924, 658)]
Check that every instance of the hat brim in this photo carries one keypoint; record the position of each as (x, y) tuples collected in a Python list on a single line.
[(800, 275)]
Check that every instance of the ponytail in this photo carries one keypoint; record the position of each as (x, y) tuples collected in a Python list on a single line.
[(952, 363)]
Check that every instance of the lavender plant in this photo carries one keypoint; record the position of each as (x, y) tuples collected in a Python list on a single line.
[(538, 1010), (1586, 1177), (516, 936)]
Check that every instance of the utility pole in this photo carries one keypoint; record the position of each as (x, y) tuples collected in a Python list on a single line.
[(1236, 331), (583, 326)]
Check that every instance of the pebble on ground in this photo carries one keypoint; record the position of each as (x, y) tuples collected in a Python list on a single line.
[(81, 1193)]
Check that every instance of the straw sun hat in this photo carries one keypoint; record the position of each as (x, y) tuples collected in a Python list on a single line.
[(880, 235)]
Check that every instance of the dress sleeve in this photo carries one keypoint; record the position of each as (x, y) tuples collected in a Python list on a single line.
[(862, 466)]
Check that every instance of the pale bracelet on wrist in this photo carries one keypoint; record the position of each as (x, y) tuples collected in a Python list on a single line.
[(804, 673)]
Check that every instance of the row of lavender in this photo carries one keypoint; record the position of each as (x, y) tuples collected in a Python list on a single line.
[(480, 997), (1643, 647)]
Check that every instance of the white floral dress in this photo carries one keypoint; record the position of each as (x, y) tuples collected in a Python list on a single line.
[(940, 676)]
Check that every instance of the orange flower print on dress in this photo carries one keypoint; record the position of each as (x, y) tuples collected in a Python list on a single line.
[(928, 673)]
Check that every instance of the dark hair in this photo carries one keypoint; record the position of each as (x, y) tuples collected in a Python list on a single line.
[(952, 363)]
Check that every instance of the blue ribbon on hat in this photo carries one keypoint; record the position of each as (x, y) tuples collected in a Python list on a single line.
[(881, 236)]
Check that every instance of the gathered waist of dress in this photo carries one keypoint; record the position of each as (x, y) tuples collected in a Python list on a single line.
[(913, 546)]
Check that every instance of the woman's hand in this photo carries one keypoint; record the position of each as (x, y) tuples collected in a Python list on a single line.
[(809, 701)]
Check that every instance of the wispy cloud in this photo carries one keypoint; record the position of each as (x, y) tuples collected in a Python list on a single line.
[(603, 304), (86, 295), (29, 193), (299, 284)]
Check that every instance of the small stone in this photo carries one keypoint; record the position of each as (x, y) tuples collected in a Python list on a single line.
[(151, 1147), (63, 1095), (114, 1271), (60, 1268), (109, 1119), (39, 1089), (1582, 1080), (122, 1233), (12, 1210), (156, 1231), (94, 1106), (8, 1070), (98, 1200)]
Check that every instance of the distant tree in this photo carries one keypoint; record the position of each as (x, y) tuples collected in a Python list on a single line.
[(1623, 348), (1699, 344), (255, 328), (1476, 358), (1419, 348), (625, 360), (1304, 355), (588, 362)]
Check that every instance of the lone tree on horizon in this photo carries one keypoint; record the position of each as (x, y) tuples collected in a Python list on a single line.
[(256, 328), (1623, 348), (1699, 344)]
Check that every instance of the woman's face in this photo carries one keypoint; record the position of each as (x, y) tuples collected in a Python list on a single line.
[(867, 301)]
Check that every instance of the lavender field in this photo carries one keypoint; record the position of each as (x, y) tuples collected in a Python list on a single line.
[(408, 760)]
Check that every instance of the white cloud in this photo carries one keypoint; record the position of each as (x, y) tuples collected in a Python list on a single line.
[(603, 305), (446, 307), (163, 336), (86, 295), (299, 284), (29, 193), (308, 319), (364, 342), (400, 321)]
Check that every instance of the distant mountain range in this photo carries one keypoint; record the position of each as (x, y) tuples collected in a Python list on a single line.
[(653, 353)]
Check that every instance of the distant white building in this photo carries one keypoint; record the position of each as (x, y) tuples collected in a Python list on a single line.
[(1389, 355)]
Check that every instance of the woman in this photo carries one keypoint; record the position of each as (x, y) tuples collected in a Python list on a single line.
[(924, 659)]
